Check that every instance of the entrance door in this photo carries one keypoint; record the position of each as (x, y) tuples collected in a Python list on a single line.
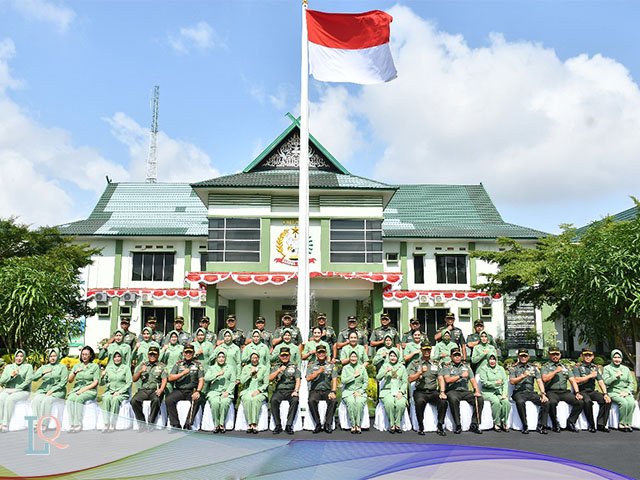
[(431, 320), (165, 317)]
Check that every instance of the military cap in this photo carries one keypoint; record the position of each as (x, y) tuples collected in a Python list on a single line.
[(384, 315), (587, 351), (450, 315), (351, 318), (478, 322), (425, 346), (125, 320), (260, 320), (414, 320), (553, 350), (523, 351), (178, 320), (321, 348), (322, 315), (231, 317), (155, 350), (205, 319), (455, 352), (285, 351), (189, 348), (287, 314)]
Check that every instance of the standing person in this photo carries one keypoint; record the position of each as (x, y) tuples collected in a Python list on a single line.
[(237, 334), (495, 390), (142, 346), (128, 336), (156, 335), (286, 376), (287, 342), (219, 382), (343, 337), (209, 336), (86, 375), (328, 333), (171, 352), (414, 326), (429, 388), (54, 377), (258, 346), (393, 390), (153, 377), (117, 381), (107, 350), (187, 376), (287, 324), (254, 380), (16, 386), (323, 381), (555, 377), (617, 378), (412, 350), (203, 348), (382, 353), (232, 353), (457, 376), (377, 336), (456, 334), (443, 349), (482, 352), (586, 376), (522, 377), (354, 346), (474, 338), (266, 336), (178, 327), (310, 348), (355, 381)]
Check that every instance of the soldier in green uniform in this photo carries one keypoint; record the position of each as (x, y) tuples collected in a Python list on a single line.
[(237, 334), (128, 336), (258, 346), (156, 335), (393, 390), (118, 344), (620, 385), (309, 350), (178, 327), (353, 346), (171, 352), (204, 349), (586, 375), (208, 334), (286, 376), (377, 336), (355, 381), (322, 376), (153, 378), (187, 376), (117, 381), (142, 347), (522, 377), (429, 388), (382, 353), (343, 337), (474, 338), (265, 335), (555, 376), (254, 380), (414, 326), (443, 349), (219, 382), (328, 333), (15, 386), (456, 334), (231, 351), (287, 324), (86, 376), (495, 390), (482, 352), (287, 342), (412, 349), (54, 377), (457, 376)]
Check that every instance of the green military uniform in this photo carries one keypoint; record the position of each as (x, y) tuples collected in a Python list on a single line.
[(219, 383), (524, 391), (117, 386), (481, 353), (457, 336), (343, 336), (156, 335), (233, 354), (129, 338), (266, 337), (237, 336), (85, 376), (140, 353), (589, 394), (620, 386), (285, 387), (381, 357), (393, 390), (255, 382), (427, 390), (54, 382), (123, 348), (260, 348), (150, 381), (311, 346), (319, 390), (209, 336), (328, 335), (16, 386), (354, 391), (458, 391), (556, 389), (495, 390), (407, 338), (183, 389), (345, 352), (412, 349), (475, 337), (183, 337), (443, 349), (296, 336), (379, 333), (293, 348), (204, 351), (171, 353)]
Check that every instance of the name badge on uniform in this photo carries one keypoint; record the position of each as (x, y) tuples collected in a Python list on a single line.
[(193, 368), (434, 368), (291, 369)]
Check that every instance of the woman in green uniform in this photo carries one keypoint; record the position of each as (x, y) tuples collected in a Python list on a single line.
[(203, 348), (353, 346), (354, 380), (118, 344), (413, 349), (258, 346), (442, 350), (142, 347), (231, 351), (309, 351), (86, 376), (382, 354), (254, 381), (393, 393), (54, 377), (117, 381), (482, 351), (495, 390), (15, 384), (219, 382), (620, 385), (286, 342), (171, 352)]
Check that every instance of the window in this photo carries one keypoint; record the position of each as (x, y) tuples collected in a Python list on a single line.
[(156, 267), (165, 317), (234, 240), (418, 268), (203, 261), (451, 268), (356, 241)]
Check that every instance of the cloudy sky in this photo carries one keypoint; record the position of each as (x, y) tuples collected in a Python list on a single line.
[(538, 100)]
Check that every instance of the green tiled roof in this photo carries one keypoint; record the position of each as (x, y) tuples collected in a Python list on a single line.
[(282, 178), (629, 214), (144, 209), (448, 211)]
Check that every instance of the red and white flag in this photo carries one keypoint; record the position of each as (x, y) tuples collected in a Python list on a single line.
[(350, 47)]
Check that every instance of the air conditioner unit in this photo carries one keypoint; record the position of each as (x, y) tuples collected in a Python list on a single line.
[(486, 301), (101, 297), (438, 299), (424, 298), (129, 297), (147, 298)]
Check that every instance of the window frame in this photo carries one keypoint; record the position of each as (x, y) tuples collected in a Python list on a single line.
[(362, 238), (223, 240), (444, 279), (150, 266)]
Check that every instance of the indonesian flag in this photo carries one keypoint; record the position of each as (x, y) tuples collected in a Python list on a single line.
[(350, 47)]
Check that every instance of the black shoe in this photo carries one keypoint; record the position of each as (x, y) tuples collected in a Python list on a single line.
[(591, 429), (255, 430), (289, 429), (458, 430), (541, 430), (318, 428), (421, 432), (277, 430), (603, 428), (440, 430), (392, 430), (504, 428), (571, 427), (556, 429), (525, 431), (327, 428), (475, 429)]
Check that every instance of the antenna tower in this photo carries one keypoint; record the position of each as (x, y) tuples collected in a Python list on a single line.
[(152, 159)]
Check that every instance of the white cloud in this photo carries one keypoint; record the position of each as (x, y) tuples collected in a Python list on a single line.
[(278, 99), (53, 12), (200, 37), (177, 160), (530, 126)]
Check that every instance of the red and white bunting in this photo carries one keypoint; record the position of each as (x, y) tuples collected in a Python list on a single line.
[(154, 292), (280, 278), (432, 295)]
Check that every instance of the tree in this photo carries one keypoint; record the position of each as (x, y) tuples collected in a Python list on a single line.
[(593, 281), (40, 298)]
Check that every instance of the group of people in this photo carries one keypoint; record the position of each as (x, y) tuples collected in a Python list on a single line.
[(220, 369)]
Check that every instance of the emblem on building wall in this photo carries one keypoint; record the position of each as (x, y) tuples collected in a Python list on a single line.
[(288, 154), (287, 246)]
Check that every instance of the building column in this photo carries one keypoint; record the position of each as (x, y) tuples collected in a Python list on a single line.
[(473, 280), (376, 304), (256, 311), (335, 315), (211, 305), (117, 281)]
